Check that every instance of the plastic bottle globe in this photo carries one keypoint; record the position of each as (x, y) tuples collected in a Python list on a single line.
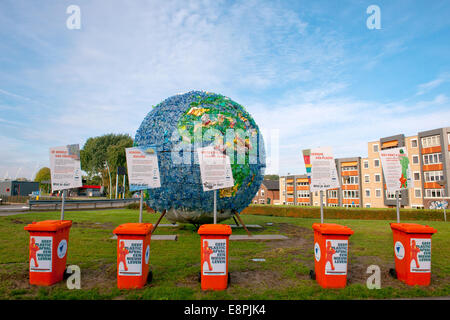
[(175, 128)]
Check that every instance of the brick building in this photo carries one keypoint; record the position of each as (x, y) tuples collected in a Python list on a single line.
[(268, 193)]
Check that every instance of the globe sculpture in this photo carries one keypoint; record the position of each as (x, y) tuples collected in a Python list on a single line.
[(175, 128)]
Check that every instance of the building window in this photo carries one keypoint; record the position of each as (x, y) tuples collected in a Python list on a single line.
[(366, 164), (375, 148), (367, 193), (414, 143), (350, 180), (303, 194), (432, 141), (431, 176), (378, 193), (415, 159), (392, 195), (367, 178), (350, 194), (376, 163), (377, 177), (432, 158), (352, 168), (367, 205), (434, 193), (262, 201), (416, 176), (262, 192), (417, 193), (332, 194)]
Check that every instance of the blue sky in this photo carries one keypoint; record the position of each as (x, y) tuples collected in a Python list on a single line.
[(310, 69)]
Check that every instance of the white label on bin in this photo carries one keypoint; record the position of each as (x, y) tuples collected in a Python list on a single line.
[(214, 258), (399, 250), (41, 254), (129, 257), (420, 255), (336, 257), (62, 248), (317, 251)]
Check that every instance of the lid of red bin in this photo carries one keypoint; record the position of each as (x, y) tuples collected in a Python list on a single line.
[(332, 228), (412, 228), (213, 229), (134, 228), (48, 225)]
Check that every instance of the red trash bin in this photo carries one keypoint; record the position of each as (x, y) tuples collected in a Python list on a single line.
[(412, 251), (133, 255), (331, 254), (48, 247), (214, 256)]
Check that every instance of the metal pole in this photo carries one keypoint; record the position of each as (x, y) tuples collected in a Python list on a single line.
[(443, 204), (123, 191), (140, 206), (398, 206), (62, 204), (215, 206), (110, 185), (117, 183), (321, 206)]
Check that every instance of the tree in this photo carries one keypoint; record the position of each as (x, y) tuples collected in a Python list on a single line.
[(271, 177), (97, 150), (43, 177)]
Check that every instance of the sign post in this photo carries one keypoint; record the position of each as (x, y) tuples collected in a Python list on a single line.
[(62, 204), (396, 171), (143, 171), (65, 170), (215, 171), (321, 206), (320, 163)]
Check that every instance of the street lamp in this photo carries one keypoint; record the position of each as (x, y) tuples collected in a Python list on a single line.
[(109, 172)]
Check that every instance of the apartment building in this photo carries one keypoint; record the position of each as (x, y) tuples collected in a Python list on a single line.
[(363, 183), (294, 190), (349, 174), (373, 183), (268, 193), (371, 178), (434, 151)]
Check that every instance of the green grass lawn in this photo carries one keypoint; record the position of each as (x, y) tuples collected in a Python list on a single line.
[(176, 264)]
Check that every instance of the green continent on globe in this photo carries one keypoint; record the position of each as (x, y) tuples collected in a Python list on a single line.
[(225, 123)]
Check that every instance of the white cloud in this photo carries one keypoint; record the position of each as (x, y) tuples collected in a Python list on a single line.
[(430, 85)]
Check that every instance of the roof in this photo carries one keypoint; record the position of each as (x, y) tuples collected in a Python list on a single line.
[(271, 184)]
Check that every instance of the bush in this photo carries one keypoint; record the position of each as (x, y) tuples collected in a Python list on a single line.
[(343, 213)]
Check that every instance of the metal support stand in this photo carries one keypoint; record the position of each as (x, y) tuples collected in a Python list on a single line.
[(398, 206), (321, 206), (443, 204), (240, 220), (117, 185), (140, 206), (123, 191), (159, 220), (62, 204), (215, 206)]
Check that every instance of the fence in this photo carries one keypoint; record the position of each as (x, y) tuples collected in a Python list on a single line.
[(13, 199), (80, 204)]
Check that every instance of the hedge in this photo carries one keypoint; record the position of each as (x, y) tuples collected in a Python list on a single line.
[(344, 213)]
